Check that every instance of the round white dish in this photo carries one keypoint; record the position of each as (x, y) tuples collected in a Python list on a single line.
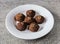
[(46, 26)]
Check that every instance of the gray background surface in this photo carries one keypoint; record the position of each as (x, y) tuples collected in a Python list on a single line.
[(52, 38)]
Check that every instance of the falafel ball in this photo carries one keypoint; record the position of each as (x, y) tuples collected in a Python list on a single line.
[(21, 26), (33, 27), (39, 19), (28, 20), (30, 13), (19, 17)]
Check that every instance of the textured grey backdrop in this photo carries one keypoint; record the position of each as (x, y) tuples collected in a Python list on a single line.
[(52, 38)]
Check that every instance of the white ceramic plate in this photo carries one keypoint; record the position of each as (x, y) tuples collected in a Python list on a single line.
[(46, 27)]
